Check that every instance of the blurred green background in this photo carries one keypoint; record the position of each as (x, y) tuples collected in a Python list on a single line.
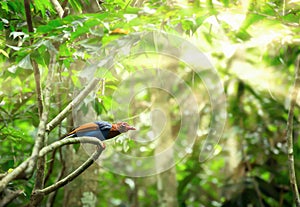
[(253, 45)]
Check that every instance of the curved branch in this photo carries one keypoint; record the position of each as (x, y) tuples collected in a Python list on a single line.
[(64, 113), (79, 170), (289, 134), (68, 141)]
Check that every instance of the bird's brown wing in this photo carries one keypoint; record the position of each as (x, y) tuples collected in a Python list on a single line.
[(85, 127)]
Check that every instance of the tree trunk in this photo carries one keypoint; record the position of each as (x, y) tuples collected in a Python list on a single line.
[(83, 190), (166, 181)]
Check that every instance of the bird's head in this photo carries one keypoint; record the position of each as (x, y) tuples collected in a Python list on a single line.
[(123, 127)]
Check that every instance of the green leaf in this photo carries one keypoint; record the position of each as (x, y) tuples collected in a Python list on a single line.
[(25, 63), (4, 53), (251, 19), (21, 35), (243, 35), (13, 47), (40, 6), (226, 2), (4, 6), (76, 5)]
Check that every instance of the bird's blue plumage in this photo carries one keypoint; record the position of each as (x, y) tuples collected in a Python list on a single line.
[(99, 129), (103, 125)]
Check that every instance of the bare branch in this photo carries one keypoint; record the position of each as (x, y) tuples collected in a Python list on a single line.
[(52, 196), (58, 8), (68, 141), (39, 183), (9, 196), (64, 4), (28, 15), (31, 162), (12, 175), (289, 134), (51, 165), (38, 194), (37, 79), (40, 139), (73, 175), (36, 71), (79, 170), (64, 113), (2, 175)]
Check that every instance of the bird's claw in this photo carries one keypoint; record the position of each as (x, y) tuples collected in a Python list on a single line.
[(103, 145)]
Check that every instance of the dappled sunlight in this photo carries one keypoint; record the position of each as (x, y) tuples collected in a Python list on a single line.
[(160, 103)]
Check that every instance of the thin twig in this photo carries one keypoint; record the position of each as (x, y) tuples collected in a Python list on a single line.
[(52, 196), (37, 79), (77, 100), (289, 134), (50, 169), (10, 195)]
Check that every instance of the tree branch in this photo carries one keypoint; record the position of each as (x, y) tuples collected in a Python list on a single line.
[(79, 170), (58, 8), (38, 194), (15, 173), (40, 174), (52, 196), (289, 133), (31, 161), (73, 175), (68, 141), (28, 15), (37, 79), (78, 99), (40, 140), (36, 70), (9, 196)]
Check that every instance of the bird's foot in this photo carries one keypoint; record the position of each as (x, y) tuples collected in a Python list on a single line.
[(103, 145)]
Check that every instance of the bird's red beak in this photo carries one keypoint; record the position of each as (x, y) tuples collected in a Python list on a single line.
[(131, 128)]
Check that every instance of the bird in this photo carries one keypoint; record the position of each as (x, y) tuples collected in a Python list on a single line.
[(100, 129)]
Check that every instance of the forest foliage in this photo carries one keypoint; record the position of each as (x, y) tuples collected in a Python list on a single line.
[(253, 46)]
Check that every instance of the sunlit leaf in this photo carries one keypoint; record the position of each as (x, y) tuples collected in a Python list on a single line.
[(76, 5), (13, 47), (25, 63), (18, 34), (4, 6), (4, 53)]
